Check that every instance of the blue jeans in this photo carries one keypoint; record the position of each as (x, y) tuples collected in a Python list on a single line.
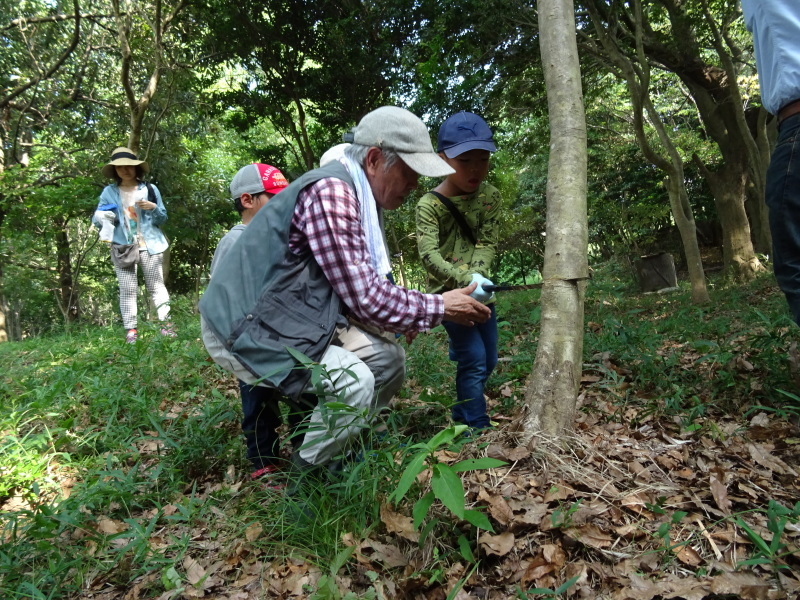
[(783, 200), (474, 349)]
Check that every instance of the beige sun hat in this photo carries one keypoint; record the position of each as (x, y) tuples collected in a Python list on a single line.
[(121, 157)]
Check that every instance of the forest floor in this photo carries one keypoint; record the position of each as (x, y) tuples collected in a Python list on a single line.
[(679, 479)]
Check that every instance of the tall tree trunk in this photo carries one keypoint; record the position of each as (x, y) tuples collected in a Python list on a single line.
[(758, 215), (719, 103), (159, 23), (69, 301), (553, 388), (766, 142), (667, 158), (728, 185), (715, 92), (754, 145), (757, 210), (728, 188)]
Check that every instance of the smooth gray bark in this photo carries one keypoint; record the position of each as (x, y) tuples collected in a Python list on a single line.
[(553, 387)]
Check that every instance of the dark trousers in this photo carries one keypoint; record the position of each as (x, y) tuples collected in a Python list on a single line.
[(261, 419), (783, 200)]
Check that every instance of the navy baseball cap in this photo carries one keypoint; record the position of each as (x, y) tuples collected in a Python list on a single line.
[(462, 132)]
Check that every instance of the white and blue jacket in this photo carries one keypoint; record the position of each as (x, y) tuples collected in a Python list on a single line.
[(149, 220)]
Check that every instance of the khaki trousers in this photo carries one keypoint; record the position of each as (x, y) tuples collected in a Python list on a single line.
[(362, 371)]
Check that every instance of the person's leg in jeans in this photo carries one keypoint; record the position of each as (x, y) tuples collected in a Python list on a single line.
[(260, 421), (474, 350), (783, 200)]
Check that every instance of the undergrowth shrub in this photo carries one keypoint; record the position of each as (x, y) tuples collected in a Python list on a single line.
[(131, 425)]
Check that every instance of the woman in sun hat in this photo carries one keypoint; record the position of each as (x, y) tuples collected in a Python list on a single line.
[(137, 239)]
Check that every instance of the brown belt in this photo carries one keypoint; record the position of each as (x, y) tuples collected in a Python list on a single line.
[(787, 111)]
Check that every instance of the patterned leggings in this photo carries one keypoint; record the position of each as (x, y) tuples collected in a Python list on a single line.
[(153, 280)]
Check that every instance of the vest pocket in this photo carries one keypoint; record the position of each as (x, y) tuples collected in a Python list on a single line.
[(260, 340)]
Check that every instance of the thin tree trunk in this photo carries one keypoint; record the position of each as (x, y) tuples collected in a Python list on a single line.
[(553, 387), (3, 311), (684, 220), (69, 300), (3, 304), (401, 266)]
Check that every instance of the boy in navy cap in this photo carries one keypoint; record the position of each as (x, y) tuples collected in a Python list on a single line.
[(457, 230)]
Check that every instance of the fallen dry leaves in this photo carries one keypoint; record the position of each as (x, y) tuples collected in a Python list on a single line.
[(631, 507), (631, 513)]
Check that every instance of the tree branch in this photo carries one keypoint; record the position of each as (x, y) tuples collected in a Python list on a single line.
[(22, 22), (54, 67)]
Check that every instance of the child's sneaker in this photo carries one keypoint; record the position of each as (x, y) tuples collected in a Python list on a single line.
[(269, 477), (130, 337), (167, 330)]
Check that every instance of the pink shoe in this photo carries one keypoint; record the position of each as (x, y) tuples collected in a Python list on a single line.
[(130, 337), (167, 330)]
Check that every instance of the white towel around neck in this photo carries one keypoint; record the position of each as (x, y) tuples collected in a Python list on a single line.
[(371, 217)]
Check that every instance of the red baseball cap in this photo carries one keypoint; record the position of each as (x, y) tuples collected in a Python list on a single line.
[(256, 178)]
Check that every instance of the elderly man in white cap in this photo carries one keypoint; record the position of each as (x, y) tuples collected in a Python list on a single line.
[(301, 303)]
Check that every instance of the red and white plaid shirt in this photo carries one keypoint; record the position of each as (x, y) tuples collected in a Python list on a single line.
[(327, 224)]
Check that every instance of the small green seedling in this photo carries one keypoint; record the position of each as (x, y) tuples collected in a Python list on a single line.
[(445, 483)]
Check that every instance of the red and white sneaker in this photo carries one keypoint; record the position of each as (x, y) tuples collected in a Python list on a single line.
[(270, 478), (130, 337)]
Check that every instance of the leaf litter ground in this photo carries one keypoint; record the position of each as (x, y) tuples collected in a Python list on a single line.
[(634, 504), (633, 513)]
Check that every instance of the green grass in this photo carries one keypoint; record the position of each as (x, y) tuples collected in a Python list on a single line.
[(133, 425), (106, 446), (726, 355)]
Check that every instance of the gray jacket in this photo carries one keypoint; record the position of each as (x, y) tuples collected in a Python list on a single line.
[(264, 300)]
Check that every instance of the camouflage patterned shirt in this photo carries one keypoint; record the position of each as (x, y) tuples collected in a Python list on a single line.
[(448, 256)]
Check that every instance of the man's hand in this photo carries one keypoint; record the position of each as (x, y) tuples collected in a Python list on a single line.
[(460, 308), (411, 336)]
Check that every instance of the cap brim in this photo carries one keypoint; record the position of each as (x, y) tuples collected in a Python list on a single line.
[(427, 164), (459, 149)]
